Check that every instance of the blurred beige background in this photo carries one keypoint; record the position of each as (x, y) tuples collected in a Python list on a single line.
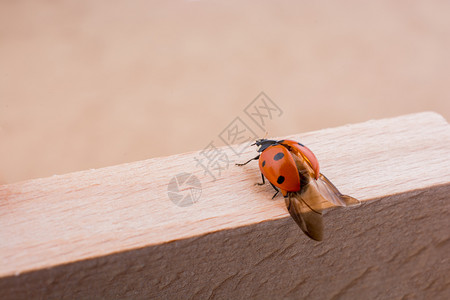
[(87, 84)]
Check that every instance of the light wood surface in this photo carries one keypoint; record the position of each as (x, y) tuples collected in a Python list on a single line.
[(114, 232)]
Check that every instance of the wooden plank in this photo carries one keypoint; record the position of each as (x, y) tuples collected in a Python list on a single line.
[(114, 233)]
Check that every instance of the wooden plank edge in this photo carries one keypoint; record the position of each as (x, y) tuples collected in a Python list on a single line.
[(281, 215), (381, 250)]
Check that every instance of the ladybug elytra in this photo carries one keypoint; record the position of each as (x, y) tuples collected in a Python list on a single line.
[(293, 169)]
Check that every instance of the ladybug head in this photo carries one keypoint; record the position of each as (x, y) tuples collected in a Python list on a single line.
[(263, 144)]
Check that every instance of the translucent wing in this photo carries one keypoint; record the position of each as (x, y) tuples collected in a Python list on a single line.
[(323, 185), (308, 218), (332, 194)]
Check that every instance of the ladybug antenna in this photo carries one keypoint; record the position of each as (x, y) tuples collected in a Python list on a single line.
[(259, 141), (263, 144)]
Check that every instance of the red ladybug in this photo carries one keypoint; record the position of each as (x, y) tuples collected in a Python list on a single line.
[(293, 169)]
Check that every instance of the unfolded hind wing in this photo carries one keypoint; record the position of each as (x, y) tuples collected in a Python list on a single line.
[(332, 194), (306, 214)]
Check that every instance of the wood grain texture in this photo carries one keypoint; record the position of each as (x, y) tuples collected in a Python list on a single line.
[(114, 233)]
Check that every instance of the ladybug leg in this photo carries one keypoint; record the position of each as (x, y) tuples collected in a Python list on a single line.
[(255, 158), (275, 190), (263, 181)]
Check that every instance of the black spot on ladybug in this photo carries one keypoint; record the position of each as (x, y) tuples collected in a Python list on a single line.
[(281, 142), (280, 179), (263, 163), (278, 156), (301, 144)]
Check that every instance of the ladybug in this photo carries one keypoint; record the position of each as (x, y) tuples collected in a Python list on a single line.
[(293, 169)]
